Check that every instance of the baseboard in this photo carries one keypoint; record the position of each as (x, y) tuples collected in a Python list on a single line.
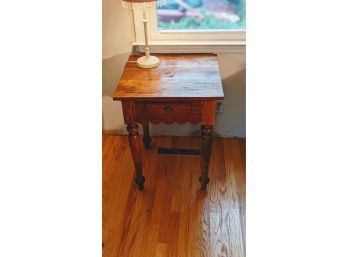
[(118, 132)]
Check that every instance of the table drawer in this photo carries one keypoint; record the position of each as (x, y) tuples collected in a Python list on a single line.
[(167, 108), (168, 112)]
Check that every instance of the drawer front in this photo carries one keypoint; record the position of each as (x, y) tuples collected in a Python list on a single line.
[(168, 112), (168, 108)]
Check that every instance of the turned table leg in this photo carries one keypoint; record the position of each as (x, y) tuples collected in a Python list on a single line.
[(207, 131), (147, 139), (135, 146)]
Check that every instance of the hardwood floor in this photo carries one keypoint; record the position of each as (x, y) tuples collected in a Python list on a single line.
[(172, 217)]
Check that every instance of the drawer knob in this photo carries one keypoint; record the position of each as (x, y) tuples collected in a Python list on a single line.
[(167, 109)]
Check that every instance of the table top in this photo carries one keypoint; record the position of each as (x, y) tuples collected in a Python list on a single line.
[(178, 77)]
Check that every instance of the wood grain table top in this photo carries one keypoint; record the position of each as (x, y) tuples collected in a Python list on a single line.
[(178, 77)]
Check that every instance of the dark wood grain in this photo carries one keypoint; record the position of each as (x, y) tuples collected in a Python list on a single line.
[(188, 76), (135, 146), (168, 112), (129, 113), (207, 133), (147, 139), (183, 88), (208, 112)]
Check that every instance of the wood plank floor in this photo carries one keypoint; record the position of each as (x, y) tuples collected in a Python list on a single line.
[(172, 217)]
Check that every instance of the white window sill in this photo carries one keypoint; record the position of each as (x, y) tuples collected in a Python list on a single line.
[(193, 46)]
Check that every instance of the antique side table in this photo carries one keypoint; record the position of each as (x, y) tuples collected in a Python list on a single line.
[(183, 88)]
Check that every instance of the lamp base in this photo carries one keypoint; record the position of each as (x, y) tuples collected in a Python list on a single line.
[(144, 62)]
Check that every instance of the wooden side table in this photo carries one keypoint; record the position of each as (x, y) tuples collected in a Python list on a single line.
[(183, 88)]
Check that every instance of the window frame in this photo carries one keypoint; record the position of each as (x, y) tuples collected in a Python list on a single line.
[(185, 40)]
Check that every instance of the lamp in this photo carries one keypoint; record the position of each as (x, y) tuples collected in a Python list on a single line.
[(147, 61)]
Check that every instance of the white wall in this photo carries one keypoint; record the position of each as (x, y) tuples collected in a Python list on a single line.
[(118, 32), (117, 37)]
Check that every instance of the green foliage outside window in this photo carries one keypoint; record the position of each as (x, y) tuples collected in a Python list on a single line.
[(208, 22)]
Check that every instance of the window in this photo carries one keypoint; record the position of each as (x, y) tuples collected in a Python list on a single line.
[(193, 26), (201, 14)]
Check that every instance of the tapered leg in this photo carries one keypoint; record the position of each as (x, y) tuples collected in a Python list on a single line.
[(135, 146), (207, 131), (147, 139)]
